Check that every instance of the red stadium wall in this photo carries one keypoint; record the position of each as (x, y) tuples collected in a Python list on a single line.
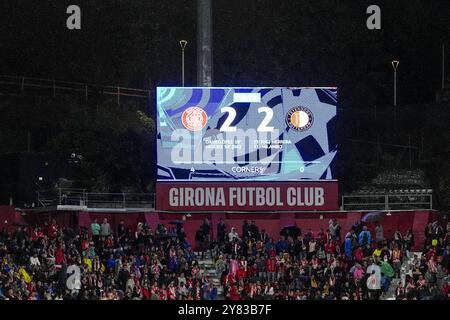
[(272, 223), (9, 217)]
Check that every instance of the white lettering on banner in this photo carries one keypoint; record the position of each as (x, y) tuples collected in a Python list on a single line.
[(233, 195), (238, 147), (250, 195), (246, 196), (260, 196), (270, 197), (308, 196), (180, 197), (173, 197), (319, 198)]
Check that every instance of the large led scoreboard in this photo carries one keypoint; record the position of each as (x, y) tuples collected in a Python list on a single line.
[(241, 149)]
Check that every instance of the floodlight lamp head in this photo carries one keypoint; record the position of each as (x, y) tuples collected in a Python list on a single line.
[(395, 64), (183, 44)]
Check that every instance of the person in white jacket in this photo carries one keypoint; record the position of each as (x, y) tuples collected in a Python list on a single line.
[(233, 235)]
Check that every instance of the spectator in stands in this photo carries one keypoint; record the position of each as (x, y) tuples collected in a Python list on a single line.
[(165, 268), (254, 231), (427, 233), (365, 237), (105, 228), (409, 241), (233, 235), (221, 232), (121, 230), (335, 230), (52, 229), (263, 236), (348, 247), (398, 238), (200, 241), (246, 230), (379, 232), (95, 229)]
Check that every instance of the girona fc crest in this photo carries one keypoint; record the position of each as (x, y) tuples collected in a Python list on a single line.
[(194, 118)]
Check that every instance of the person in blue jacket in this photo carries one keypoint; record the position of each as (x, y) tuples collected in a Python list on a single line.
[(364, 236), (213, 293), (348, 247)]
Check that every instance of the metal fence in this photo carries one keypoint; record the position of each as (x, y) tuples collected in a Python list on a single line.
[(90, 200), (397, 200), (392, 201), (21, 85)]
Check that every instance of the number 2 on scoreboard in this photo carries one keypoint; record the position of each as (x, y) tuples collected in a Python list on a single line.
[(226, 126)]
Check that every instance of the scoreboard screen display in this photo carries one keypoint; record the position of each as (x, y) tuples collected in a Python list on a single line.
[(246, 134)]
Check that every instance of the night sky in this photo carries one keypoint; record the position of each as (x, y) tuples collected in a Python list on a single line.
[(256, 43)]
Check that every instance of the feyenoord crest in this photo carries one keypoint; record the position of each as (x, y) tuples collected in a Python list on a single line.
[(194, 118), (299, 118)]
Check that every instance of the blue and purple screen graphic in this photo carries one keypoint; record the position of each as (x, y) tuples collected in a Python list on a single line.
[(246, 134)]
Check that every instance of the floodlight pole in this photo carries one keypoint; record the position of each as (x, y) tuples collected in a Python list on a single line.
[(395, 66), (443, 65), (183, 44)]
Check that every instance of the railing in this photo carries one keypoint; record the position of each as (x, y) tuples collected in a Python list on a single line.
[(120, 200), (92, 200), (405, 200), (18, 85)]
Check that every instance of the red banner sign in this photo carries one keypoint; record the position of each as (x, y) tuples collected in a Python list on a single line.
[(247, 196)]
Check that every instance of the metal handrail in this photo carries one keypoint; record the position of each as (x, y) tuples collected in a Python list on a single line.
[(419, 200)]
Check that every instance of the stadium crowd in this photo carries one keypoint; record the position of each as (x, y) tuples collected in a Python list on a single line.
[(51, 262)]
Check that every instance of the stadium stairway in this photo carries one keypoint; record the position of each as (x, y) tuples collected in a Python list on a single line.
[(207, 264)]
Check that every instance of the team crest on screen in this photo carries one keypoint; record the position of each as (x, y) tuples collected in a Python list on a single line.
[(194, 118), (299, 118)]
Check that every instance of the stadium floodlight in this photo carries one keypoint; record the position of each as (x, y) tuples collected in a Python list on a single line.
[(395, 66), (443, 66), (183, 44)]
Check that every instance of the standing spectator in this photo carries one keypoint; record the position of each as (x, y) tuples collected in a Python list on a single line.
[(53, 229), (348, 246), (121, 230), (95, 229), (263, 236), (409, 241), (105, 228), (200, 241), (206, 228), (335, 230), (233, 235), (397, 260), (427, 233), (254, 231), (221, 231), (379, 232), (365, 237), (373, 284), (398, 238), (246, 231)]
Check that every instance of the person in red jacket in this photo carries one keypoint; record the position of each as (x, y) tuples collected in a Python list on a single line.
[(59, 259), (234, 293), (330, 249), (52, 230), (145, 292), (359, 254), (241, 274), (271, 266)]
